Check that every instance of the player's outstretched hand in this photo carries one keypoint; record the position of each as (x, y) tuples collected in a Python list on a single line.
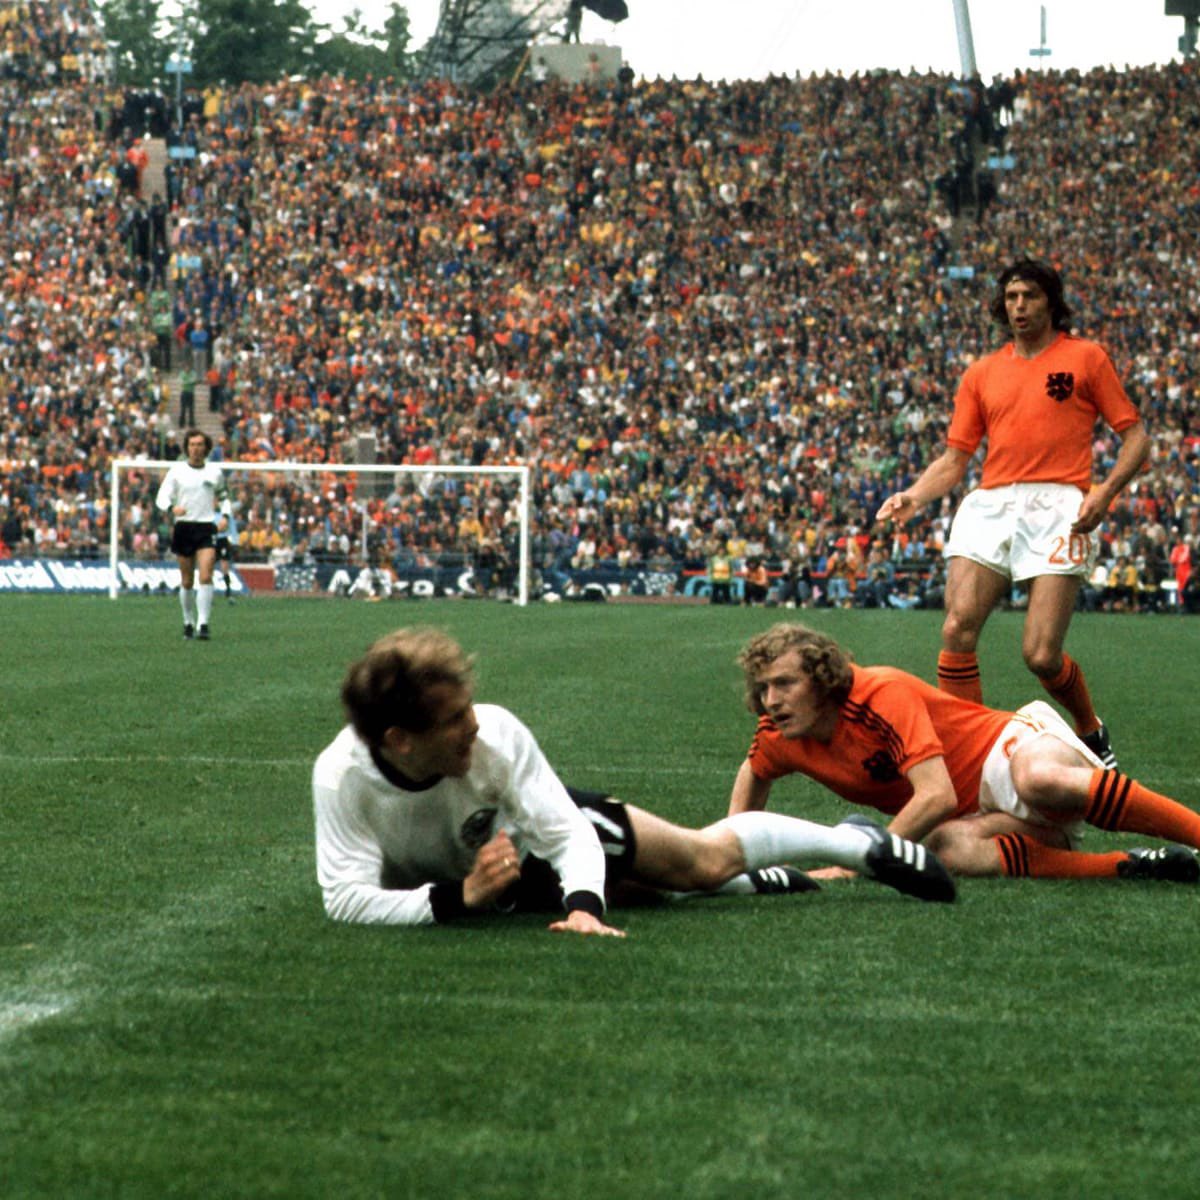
[(497, 867), (578, 921), (898, 508)]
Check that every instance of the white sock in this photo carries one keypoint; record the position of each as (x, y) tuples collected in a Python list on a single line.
[(769, 839), (204, 601), (187, 601), (739, 885)]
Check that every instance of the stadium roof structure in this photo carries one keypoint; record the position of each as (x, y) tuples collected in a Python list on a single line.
[(477, 40)]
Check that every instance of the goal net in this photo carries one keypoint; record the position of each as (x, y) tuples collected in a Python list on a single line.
[(346, 529)]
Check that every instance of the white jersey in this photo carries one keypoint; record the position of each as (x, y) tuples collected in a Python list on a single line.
[(431, 835), (196, 488)]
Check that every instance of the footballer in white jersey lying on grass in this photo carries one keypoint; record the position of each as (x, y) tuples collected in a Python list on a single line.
[(430, 809)]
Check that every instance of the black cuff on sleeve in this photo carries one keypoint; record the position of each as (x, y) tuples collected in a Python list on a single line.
[(446, 900), (589, 902)]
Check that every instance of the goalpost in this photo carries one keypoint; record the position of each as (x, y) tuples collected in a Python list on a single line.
[(372, 506)]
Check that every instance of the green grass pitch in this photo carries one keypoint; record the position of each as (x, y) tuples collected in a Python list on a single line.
[(179, 1019)]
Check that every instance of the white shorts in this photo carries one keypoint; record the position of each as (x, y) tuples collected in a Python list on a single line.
[(1023, 530), (996, 790)]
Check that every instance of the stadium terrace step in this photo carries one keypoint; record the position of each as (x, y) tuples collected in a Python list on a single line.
[(205, 418)]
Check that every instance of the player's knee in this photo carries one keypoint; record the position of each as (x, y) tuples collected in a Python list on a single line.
[(962, 851), (1029, 778), (959, 634), (1039, 782), (1043, 660), (942, 840)]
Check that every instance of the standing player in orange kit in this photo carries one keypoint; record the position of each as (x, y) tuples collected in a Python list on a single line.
[(1033, 517)]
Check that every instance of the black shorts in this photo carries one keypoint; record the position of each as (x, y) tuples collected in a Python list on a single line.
[(610, 819), (538, 889), (189, 536), (223, 548)]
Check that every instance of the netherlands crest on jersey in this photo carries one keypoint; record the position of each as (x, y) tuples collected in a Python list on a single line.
[(1059, 385), (881, 767)]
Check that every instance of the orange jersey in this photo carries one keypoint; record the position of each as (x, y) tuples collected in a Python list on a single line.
[(891, 721), (1038, 414)]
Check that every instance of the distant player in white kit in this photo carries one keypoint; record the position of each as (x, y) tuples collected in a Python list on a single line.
[(193, 491)]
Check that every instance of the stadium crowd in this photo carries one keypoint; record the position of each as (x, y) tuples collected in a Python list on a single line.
[(719, 320)]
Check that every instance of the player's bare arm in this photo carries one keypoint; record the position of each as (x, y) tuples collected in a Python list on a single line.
[(941, 476), (932, 802), (1135, 449), (749, 793)]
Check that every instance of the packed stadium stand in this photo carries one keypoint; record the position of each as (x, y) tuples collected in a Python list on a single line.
[(716, 318)]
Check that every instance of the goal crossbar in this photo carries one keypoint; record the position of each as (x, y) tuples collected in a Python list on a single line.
[(519, 472)]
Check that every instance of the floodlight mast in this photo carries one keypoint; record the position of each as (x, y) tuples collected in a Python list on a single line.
[(966, 44), (1189, 10), (520, 471)]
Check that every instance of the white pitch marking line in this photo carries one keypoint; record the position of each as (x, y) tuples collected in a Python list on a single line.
[(213, 760), (15, 1016), (204, 760)]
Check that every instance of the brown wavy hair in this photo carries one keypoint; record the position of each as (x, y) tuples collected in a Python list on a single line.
[(389, 686)]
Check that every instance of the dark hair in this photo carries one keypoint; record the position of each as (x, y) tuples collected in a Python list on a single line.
[(389, 686), (821, 658), (194, 433), (1046, 277)]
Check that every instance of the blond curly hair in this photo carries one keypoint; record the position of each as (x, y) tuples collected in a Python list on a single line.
[(822, 659)]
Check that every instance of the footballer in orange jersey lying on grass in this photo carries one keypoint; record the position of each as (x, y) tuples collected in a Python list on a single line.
[(990, 792)]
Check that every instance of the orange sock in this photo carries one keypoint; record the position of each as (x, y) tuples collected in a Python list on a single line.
[(1024, 858), (1117, 802), (1070, 689), (958, 674)]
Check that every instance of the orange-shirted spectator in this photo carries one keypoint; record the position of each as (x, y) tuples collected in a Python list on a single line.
[(1181, 563)]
